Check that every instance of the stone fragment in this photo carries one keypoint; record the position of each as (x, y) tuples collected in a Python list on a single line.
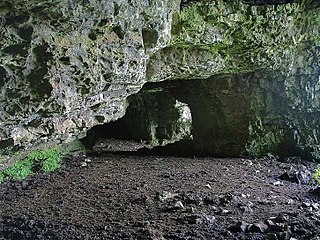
[(300, 177), (258, 227), (179, 205), (271, 236), (84, 164), (277, 183), (290, 201)]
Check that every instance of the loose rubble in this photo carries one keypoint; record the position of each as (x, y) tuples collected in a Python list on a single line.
[(116, 196)]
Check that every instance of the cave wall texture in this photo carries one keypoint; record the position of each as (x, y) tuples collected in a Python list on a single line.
[(249, 70)]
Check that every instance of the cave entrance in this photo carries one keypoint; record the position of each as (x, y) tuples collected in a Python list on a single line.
[(222, 116), (155, 122), (208, 117)]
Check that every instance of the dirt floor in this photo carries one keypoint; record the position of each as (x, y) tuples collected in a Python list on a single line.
[(124, 195)]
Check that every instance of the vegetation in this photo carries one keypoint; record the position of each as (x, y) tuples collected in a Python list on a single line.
[(315, 178), (37, 160)]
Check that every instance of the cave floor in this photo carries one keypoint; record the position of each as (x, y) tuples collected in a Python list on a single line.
[(111, 195)]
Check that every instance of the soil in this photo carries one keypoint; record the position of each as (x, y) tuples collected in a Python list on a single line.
[(108, 194)]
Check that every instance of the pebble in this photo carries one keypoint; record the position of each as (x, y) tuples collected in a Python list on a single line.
[(190, 209), (290, 201), (225, 211), (84, 164), (305, 204), (277, 183), (179, 205), (272, 236)]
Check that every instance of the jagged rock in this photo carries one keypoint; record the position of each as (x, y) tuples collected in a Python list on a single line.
[(300, 177), (66, 67)]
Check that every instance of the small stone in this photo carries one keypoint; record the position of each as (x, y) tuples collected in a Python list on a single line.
[(179, 205), (271, 236), (290, 201), (190, 210), (305, 204), (277, 183), (84, 164), (272, 226), (215, 209), (225, 211), (88, 160)]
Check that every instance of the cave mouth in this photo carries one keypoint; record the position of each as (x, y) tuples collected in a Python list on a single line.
[(233, 115), (156, 122)]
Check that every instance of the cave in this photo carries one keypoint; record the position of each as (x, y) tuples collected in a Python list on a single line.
[(222, 116), (155, 118), (160, 119)]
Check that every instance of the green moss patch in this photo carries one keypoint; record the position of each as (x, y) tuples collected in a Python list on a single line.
[(315, 178), (36, 161)]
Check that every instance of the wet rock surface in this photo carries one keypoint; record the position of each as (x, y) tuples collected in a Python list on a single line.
[(126, 196)]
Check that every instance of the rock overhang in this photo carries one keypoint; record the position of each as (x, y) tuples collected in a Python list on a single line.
[(69, 67)]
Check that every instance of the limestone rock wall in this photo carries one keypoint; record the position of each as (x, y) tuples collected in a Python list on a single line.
[(68, 65)]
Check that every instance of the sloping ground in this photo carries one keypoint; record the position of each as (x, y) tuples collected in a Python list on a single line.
[(118, 196)]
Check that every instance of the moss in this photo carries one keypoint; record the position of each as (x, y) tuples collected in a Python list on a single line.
[(36, 161), (20, 170), (315, 178), (247, 37), (45, 160)]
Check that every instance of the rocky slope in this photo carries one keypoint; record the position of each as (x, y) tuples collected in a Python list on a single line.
[(249, 71)]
